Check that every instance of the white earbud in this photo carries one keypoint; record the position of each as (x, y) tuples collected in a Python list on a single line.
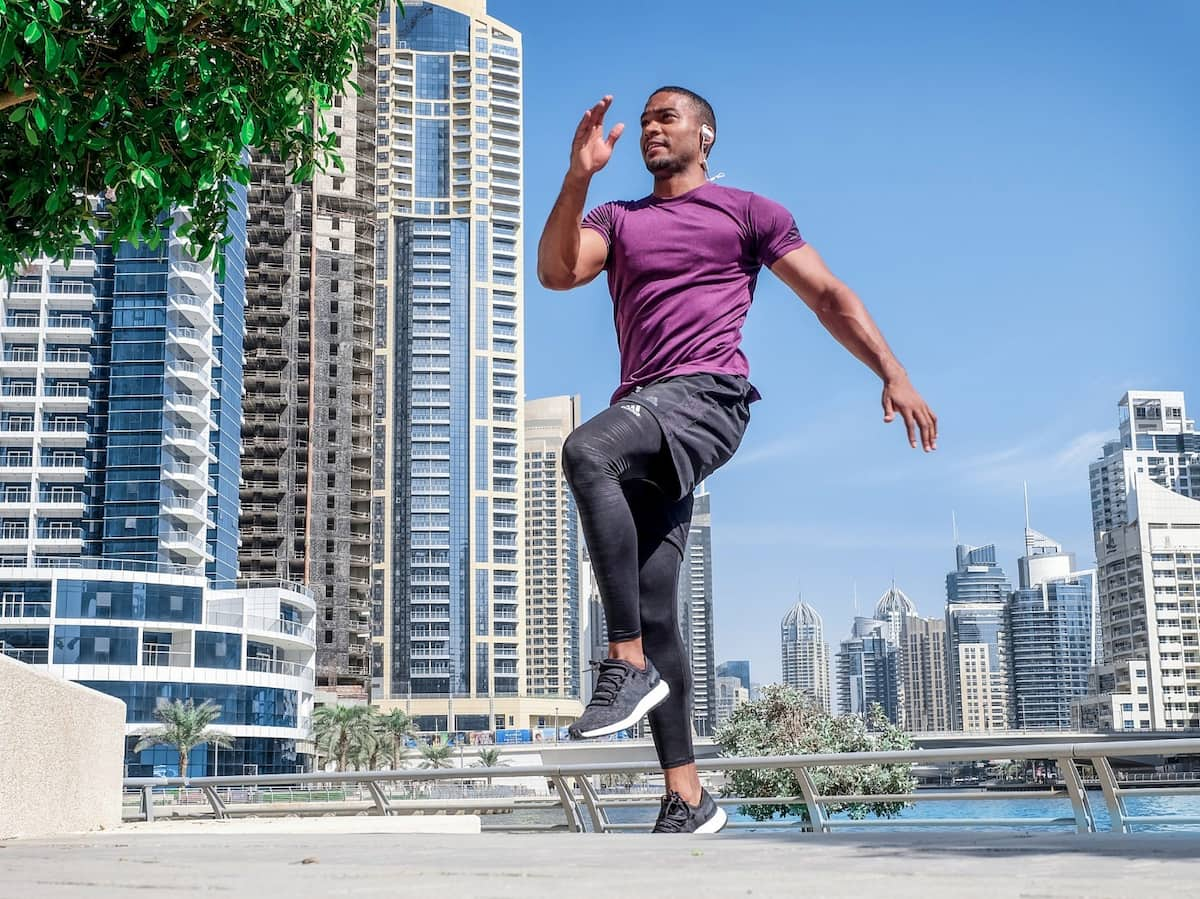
[(706, 138)]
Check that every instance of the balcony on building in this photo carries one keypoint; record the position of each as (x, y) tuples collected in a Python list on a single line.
[(68, 362), (62, 465), (190, 341), (186, 545), (190, 408), (21, 326), (72, 293), (60, 430), (193, 377), (20, 360), (80, 264), (188, 510), (190, 441), (60, 500), (69, 327), (58, 537), (186, 474), (65, 397)]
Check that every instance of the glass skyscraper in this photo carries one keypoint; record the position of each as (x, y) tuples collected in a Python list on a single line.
[(447, 521), (867, 673), (976, 640), (1051, 636), (120, 418)]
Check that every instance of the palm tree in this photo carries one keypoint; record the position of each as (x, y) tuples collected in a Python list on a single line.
[(367, 750), (185, 726), (397, 727), (336, 728), (489, 757), (436, 756)]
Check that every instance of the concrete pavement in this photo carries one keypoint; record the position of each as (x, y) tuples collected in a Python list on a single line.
[(301, 865)]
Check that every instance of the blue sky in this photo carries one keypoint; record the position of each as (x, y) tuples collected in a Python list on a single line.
[(1013, 193)]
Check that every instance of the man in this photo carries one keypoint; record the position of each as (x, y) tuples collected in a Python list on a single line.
[(682, 265)]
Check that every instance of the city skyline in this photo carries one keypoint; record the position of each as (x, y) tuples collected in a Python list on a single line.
[(973, 240)]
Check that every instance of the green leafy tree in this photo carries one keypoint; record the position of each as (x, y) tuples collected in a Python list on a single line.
[(338, 728), (490, 757), (397, 728), (786, 721), (436, 756), (153, 104), (185, 726)]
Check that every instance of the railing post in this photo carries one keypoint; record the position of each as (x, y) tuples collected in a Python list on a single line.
[(570, 806), (592, 799), (148, 803), (1108, 783), (816, 812), (381, 801), (214, 800), (1085, 821)]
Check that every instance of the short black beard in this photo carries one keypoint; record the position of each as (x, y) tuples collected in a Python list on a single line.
[(666, 165)]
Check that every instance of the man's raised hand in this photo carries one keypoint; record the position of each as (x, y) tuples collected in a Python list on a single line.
[(591, 150)]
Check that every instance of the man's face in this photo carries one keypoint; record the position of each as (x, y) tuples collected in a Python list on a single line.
[(670, 134)]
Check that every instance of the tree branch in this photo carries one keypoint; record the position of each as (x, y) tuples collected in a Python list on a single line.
[(8, 100)]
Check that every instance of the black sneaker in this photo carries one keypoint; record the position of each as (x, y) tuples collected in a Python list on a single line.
[(676, 816), (622, 696)]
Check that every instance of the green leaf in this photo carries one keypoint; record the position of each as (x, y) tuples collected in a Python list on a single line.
[(138, 19), (39, 117), (30, 134), (182, 128), (100, 110), (248, 132), (50, 43), (19, 113), (33, 32), (56, 12), (151, 40)]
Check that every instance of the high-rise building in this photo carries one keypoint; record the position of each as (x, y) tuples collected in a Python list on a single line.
[(1156, 439), (120, 411), (867, 670), (307, 430), (447, 518), (739, 668), (976, 640), (695, 598), (1051, 638), (805, 654), (1146, 515), (553, 603), (894, 609), (922, 663), (730, 694)]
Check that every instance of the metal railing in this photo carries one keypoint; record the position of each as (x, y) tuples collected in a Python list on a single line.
[(586, 808)]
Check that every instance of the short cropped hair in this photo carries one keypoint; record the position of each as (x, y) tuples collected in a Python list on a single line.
[(699, 104)]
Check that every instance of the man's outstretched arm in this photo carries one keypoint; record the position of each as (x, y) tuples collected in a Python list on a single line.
[(846, 318), (568, 254)]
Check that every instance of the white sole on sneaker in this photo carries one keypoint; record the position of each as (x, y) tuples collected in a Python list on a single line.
[(715, 823), (651, 700)]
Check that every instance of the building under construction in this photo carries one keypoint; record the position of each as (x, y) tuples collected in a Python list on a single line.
[(306, 434)]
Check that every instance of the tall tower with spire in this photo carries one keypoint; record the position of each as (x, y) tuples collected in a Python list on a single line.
[(805, 654)]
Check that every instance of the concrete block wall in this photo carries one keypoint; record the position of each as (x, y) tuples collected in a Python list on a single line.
[(62, 754)]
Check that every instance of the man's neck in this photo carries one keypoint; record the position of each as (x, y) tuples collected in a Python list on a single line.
[(678, 183)]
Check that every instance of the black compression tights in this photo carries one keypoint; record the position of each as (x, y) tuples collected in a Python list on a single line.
[(617, 466)]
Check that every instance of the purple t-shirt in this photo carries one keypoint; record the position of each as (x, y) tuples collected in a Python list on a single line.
[(681, 272)]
